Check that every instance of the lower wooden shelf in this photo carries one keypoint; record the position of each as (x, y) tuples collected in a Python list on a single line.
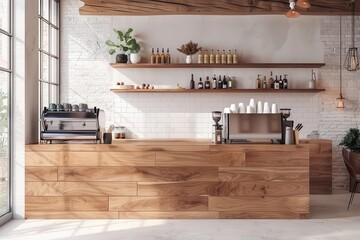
[(179, 90)]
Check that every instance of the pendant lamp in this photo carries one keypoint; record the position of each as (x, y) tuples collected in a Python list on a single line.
[(292, 13), (340, 100), (352, 58), (303, 3)]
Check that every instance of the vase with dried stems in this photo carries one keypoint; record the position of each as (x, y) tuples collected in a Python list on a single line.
[(189, 49)]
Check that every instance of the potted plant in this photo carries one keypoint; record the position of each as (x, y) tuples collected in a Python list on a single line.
[(351, 141), (127, 43)]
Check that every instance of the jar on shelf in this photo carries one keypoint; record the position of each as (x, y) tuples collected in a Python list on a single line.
[(120, 132)]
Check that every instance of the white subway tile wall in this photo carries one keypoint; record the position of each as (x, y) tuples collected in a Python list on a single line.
[(87, 77)]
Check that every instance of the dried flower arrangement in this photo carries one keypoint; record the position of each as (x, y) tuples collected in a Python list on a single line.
[(189, 48)]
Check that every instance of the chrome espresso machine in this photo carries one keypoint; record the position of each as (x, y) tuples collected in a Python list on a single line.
[(256, 128), (70, 125)]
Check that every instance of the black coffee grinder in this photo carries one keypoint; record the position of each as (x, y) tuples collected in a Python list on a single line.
[(217, 128), (285, 113)]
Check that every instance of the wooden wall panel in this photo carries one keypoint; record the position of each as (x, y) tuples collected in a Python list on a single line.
[(259, 204), (41, 174), (138, 174), (255, 188), (168, 215), (200, 159), (66, 204), (71, 215), (80, 189), (263, 174), (134, 204), (88, 159), (277, 159)]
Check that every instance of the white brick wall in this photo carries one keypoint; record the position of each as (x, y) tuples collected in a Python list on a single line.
[(87, 77)]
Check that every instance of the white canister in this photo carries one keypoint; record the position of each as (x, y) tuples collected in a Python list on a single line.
[(252, 104)]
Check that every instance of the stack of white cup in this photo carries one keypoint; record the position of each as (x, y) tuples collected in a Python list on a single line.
[(252, 108)]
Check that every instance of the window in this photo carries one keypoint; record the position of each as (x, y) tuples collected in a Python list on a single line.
[(48, 52), (6, 74)]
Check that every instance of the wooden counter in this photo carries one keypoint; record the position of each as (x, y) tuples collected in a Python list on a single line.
[(167, 180)]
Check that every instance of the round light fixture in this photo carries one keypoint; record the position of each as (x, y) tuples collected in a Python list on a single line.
[(303, 3)]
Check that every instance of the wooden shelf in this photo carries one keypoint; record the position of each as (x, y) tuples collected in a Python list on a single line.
[(240, 65), (216, 90)]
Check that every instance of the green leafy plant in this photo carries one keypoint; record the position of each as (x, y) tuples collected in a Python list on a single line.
[(126, 43), (351, 140)]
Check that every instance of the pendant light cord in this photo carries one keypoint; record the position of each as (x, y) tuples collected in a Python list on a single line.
[(340, 57), (353, 23)]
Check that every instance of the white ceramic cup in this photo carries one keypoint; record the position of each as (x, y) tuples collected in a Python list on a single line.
[(249, 109), (252, 104), (274, 108), (227, 110), (266, 107), (242, 108), (259, 107), (234, 108)]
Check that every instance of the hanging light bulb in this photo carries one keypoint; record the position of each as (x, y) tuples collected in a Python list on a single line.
[(303, 3), (352, 58), (292, 13), (340, 100)]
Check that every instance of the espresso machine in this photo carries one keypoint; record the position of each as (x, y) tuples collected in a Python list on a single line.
[(286, 124), (217, 128)]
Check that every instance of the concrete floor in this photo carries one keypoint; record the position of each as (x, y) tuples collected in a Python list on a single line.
[(329, 220)]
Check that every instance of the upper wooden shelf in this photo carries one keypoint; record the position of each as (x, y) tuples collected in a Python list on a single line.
[(240, 65), (179, 90)]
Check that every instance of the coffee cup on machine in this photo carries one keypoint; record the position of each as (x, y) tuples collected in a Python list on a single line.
[(83, 107)]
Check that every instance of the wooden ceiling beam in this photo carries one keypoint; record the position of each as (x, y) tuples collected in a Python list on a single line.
[(211, 7)]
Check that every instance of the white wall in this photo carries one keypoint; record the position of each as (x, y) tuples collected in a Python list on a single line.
[(87, 77)]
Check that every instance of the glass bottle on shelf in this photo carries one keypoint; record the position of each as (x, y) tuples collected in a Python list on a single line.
[(285, 82), (258, 82), (200, 84), (235, 58), (220, 83), (168, 57), (207, 83), (271, 81), (157, 56), (230, 82), (206, 57), (281, 83), (212, 57), (217, 57), (312, 82), (200, 57), (192, 82), (224, 83), (264, 84), (162, 56), (276, 83), (223, 57), (152, 57), (214, 82), (229, 58)]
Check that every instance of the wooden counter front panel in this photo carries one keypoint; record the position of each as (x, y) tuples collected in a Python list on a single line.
[(167, 181)]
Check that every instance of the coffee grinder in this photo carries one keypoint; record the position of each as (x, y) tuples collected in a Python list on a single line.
[(285, 113), (217, 128)]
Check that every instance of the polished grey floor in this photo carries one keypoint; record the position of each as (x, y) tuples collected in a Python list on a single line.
[(329, 220)]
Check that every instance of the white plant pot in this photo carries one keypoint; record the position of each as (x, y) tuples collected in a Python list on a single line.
[(188, 59), (135, 58)]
